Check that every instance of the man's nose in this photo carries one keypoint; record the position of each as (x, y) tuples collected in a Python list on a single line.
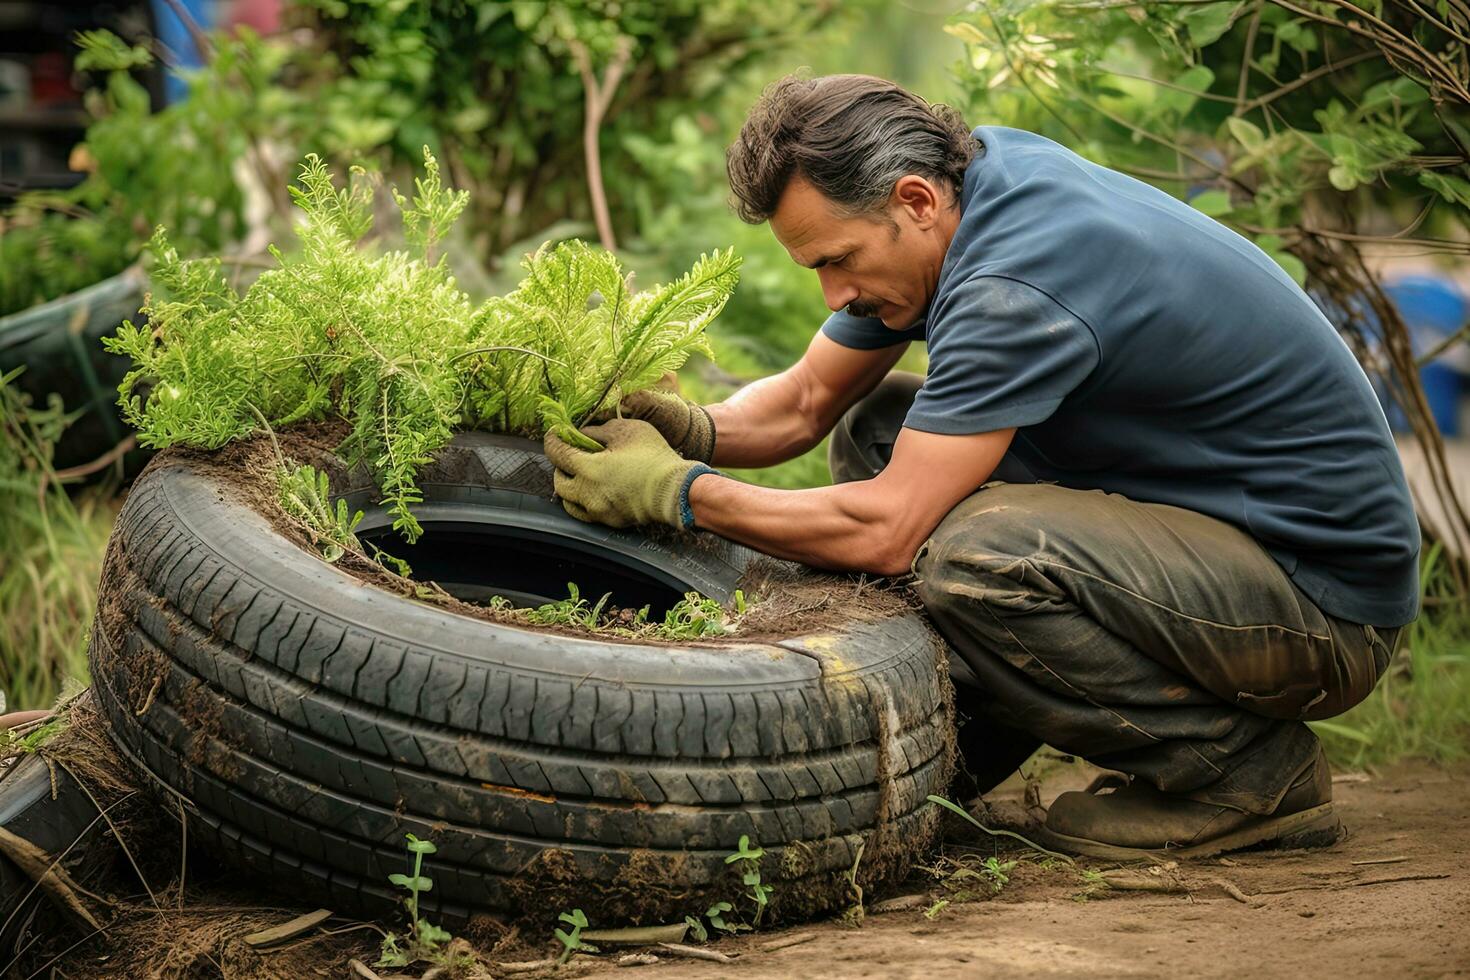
[(836, 291)]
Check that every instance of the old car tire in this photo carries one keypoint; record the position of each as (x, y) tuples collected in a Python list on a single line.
[(312, 720)]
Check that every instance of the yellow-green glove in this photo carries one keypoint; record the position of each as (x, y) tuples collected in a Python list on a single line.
[(685, 426), (636, 479)]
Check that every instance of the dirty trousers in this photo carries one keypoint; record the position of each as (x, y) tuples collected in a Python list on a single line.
[(1145, 638)]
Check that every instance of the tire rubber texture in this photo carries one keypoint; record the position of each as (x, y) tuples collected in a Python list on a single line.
[(313, 720)]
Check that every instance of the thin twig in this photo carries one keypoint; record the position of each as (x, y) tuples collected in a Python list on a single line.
[(598, 97)]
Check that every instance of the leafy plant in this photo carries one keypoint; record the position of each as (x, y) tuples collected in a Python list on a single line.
[(747, 859), (424, 939), (387, 340), (572, 941)]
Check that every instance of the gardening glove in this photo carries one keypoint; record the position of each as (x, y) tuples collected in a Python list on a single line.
[(635, 479), (686, 427)]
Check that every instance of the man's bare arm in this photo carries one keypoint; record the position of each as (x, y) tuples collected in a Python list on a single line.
[(873, 525), (778, 418)]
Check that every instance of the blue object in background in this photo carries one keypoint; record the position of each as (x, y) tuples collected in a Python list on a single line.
[(175, 36), (1433, 309)]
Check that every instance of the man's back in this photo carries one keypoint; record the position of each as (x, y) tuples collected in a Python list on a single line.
[(1185, 367)]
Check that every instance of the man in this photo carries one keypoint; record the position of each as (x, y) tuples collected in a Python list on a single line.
[(1205, 538)]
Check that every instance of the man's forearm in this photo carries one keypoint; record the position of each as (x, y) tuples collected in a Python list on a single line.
[(763, 423), (843, 527)]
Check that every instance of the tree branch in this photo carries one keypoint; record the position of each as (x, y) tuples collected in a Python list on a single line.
[(598, 97)]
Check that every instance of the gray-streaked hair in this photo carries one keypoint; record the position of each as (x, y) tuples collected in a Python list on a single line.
[(851, 136)]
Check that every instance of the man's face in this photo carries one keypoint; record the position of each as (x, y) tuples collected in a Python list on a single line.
[(883, 265)]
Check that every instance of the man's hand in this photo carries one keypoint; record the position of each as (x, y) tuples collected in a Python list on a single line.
[(685, 426), (636, 479)]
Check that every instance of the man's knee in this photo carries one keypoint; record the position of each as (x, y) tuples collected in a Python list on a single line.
[(979, 553)]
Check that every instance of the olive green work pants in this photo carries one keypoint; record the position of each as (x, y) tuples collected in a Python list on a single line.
[(1145, 638)]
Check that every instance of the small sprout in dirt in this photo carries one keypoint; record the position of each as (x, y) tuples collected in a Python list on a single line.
[(749, 857), (998, 871), (1093, 882), (696, 928), (694, 615), (932, 912), (571, 611), (716, 916), (572, 941), (424, 938), (306, 495)]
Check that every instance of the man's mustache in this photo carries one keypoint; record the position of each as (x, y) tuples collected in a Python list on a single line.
[(864, 309)]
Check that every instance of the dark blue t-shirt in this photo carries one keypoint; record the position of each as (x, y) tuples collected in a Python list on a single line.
[(1142, 348)]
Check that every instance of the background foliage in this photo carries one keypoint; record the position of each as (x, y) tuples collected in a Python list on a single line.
[(176, 167), (1323, 130)]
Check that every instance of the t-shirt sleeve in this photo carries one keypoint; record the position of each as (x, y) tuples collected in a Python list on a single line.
[(1001, 354), (862, 333)]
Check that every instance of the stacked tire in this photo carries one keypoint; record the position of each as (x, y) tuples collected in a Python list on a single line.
[(310, 720)]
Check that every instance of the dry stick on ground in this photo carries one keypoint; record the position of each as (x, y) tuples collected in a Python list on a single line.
[(598, 97), (695, 953), (52, 878)]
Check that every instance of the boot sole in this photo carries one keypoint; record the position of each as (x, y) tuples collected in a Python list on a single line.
[(1317, 826)]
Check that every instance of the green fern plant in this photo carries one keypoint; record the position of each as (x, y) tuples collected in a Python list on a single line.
[(386, 339)]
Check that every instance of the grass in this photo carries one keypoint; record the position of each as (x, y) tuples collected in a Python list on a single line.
[(51, 546), (1421, 707)]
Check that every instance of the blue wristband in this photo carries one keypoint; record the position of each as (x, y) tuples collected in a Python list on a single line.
[(686, 513)]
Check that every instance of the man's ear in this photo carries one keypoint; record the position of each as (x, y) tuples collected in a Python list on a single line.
[(919, 197)]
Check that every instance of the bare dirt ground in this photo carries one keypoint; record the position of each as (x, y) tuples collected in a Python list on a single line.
[(1390, 900)]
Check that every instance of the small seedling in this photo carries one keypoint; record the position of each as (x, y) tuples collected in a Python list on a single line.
[(749, 857), (694, 616), (696, 928), (691, 617), (716, 916), (998, 871), (572, 941), (932, 912), (424, 938), (306, 495), (1093, 882)]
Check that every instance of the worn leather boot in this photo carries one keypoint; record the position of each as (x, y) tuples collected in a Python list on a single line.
[(1138, 821)]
